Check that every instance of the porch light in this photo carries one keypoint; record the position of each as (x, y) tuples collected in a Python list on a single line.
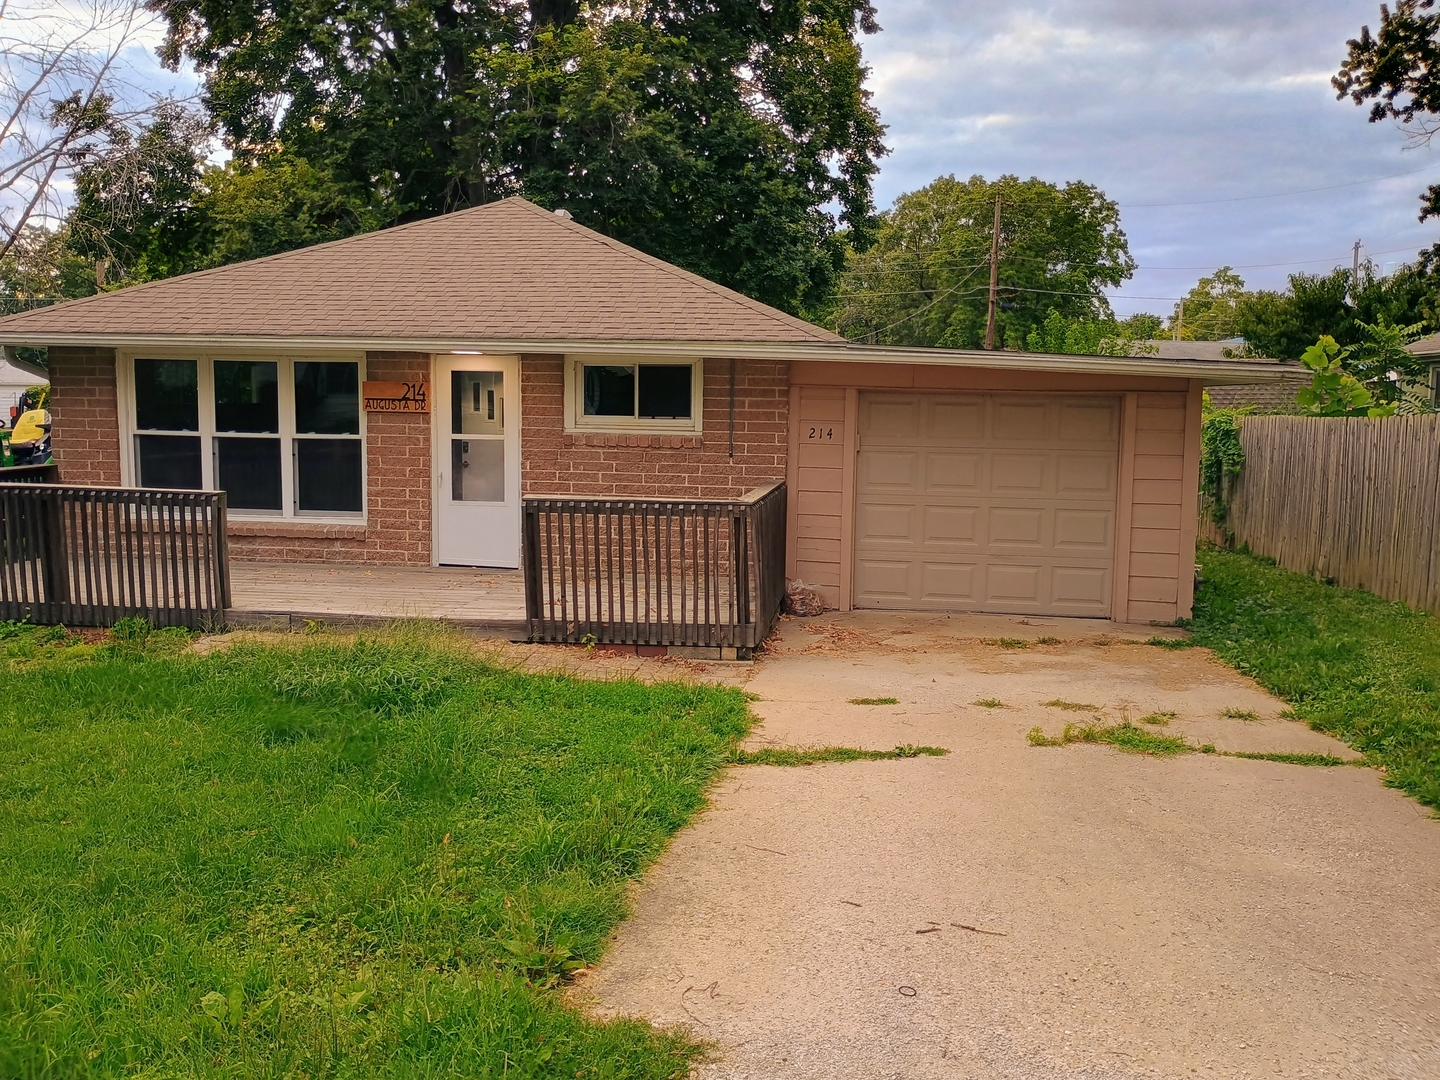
[(466, 352)]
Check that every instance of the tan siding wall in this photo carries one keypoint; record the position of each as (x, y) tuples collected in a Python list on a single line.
[(1155, 515), (1155, 586), (820, 483), (659, 466), (85, 415)]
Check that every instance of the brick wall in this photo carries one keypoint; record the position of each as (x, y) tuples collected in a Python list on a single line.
[(663, 466), (397, 491), (85, 415)]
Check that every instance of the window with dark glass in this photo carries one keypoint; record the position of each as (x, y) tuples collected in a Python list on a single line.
[(247, 399), (664, 392), (167, 402), (638, 391), (609, 390), (328, 471)]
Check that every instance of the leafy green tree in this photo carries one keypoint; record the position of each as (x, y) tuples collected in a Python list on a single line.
[(1333, 391), (1210, 310), (926, 277), (1093, 337), (1397, 71), (734, 139), (1283, 324)]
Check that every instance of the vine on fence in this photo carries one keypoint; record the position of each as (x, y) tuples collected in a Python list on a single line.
[(1221, 458)]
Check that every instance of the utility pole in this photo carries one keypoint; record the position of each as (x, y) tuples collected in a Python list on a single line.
[(1355, 274), (994, 279), (1180, 320)]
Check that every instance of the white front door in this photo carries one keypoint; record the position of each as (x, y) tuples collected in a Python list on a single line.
[(477, 460)]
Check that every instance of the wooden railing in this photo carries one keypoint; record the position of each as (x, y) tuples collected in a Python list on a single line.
[(90, 556), (48, 473), (655, 571)]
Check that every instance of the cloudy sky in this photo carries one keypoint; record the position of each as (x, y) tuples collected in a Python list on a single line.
[(1159, 102)]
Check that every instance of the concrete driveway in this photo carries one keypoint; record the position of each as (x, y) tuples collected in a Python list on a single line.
[(1038, 912)]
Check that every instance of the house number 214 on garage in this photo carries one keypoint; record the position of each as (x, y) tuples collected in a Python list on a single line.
[(821, 434)]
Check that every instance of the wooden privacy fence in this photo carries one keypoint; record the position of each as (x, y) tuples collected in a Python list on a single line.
[(90, 556), (655, 571), (1353, 500)]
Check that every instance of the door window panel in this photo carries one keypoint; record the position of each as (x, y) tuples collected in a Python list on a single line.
[(329, 475), (247, 396), (248, 470), (477, 470), (477, 402), (167, 395), (169, 461)]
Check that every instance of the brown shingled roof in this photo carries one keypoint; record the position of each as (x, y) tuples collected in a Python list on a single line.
[(506, 270)]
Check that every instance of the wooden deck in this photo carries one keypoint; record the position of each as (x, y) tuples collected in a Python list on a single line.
[(286, 595)]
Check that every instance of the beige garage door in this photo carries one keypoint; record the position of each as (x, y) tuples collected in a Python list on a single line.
[(986, 502)]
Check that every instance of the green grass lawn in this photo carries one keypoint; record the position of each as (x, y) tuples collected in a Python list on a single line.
[(1358, 667), (333, 858)]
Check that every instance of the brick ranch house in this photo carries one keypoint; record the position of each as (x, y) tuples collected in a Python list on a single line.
[(391, 397)]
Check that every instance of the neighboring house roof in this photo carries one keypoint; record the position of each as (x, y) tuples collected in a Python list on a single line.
[(508, 269), (1278, 397), (1426, 346), (15, 372), (1195, 350)]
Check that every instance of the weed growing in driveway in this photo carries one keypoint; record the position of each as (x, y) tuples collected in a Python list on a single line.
[(874, 701), (1171, 643), (1072, 706), (1159, 719), (989, 703), (777, 755), (1350, 664), (334, 857), (1321, 760), (1047, 641), (1008, 642), (1124, 736), (1240, 714)]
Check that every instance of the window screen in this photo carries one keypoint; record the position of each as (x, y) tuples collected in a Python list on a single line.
[(167, 395), (609, 390), (327, 398), (328, 475), (665, 392)]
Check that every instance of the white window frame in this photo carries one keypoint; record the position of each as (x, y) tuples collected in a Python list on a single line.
[(576, 421), (205, 378)]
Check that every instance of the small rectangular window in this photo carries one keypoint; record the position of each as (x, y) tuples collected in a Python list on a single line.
[(609, 390), (169, 461), (665, 392), (167, 395), (327, 398), (248, 471), (329, 475), (247, 396)]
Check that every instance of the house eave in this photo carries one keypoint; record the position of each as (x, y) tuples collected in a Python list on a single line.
[(1211, 372)]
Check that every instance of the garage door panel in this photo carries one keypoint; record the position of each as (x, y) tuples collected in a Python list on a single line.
[(1019, 421), (892, 418), (954, 420), (1083, 529), (953, 473), (952, 525), (1085, 587), (895, 470), (1015, 526), (1013, 583), (888, 523), (1082, 475), (949, 584), (1090, 422), (1013, 474), (884, 582), (995, 502)]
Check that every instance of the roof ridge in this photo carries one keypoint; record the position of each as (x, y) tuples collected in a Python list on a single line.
[(679, 271), (195, 275)]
